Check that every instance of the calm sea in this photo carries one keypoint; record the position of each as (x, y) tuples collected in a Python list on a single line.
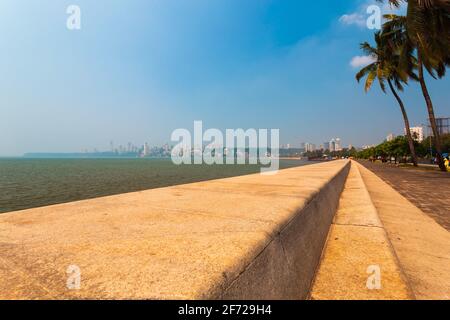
[(29, 183)]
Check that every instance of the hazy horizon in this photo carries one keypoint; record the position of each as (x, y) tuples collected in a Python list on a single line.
[(138, 70)]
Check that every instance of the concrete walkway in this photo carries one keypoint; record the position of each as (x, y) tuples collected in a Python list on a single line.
[(375, 225), (249, 237), (358, 246), (421, 245), (428, 190)]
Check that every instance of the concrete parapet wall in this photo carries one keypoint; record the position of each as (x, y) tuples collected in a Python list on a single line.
[(249, 237), (285, 268)]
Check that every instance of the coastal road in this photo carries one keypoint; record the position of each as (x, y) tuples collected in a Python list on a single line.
[(426, 189)]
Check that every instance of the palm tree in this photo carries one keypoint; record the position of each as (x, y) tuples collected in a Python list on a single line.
[(426, 30), (386, 68)]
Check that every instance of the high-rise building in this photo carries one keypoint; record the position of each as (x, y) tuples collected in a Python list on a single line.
[(338, 146), (332, 147), (310, 147), (417, 133), (390, 137), (146, 150)]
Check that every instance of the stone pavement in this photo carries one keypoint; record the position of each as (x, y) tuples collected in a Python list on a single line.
[(428, 190), (421, 245), (357, 246)]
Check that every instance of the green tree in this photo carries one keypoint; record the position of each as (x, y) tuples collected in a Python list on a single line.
[(398, 148), (426, 30), (387, 67), (428, 148)]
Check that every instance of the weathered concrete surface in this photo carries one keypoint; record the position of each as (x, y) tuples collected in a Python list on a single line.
[(356, 242), (246, 237), (418, 186), (422, 245)]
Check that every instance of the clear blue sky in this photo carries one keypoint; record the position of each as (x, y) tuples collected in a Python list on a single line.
[(138, 69)]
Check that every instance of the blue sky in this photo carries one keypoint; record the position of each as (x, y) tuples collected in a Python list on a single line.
[(139, 69)]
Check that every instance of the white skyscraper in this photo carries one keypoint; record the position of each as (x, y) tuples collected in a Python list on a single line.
[(146, 150), (338, 145), (417, 133), (390, 137), (309, 147), (332, 145)]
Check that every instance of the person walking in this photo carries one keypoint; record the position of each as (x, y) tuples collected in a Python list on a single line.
[(446, 158)]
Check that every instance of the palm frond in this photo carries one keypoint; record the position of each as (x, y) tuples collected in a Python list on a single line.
[(369, 81), (364, 71)]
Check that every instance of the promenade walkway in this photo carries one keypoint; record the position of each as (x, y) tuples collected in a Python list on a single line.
[(421, 245), (249, 237), (426, 189), (377, 231), (358, 242)]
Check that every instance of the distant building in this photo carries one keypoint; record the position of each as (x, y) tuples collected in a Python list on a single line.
[(310, 147), (338, 145), (390, 137), (417, 133), (302, 147), (146, 151), (443, 125), (332, 145)]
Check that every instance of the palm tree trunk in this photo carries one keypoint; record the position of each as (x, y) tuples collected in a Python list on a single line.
[(426, 95), (407, 127)]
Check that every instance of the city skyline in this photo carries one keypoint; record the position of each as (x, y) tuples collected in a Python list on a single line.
[(254, 151), (264, 64), (420, 132)]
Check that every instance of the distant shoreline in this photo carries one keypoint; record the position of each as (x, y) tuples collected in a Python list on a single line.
[(106, 156), (77, 156)]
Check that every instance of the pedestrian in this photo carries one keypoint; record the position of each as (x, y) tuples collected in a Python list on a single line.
[(447, 163)]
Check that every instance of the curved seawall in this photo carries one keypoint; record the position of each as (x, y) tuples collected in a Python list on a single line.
[(248, 237)]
